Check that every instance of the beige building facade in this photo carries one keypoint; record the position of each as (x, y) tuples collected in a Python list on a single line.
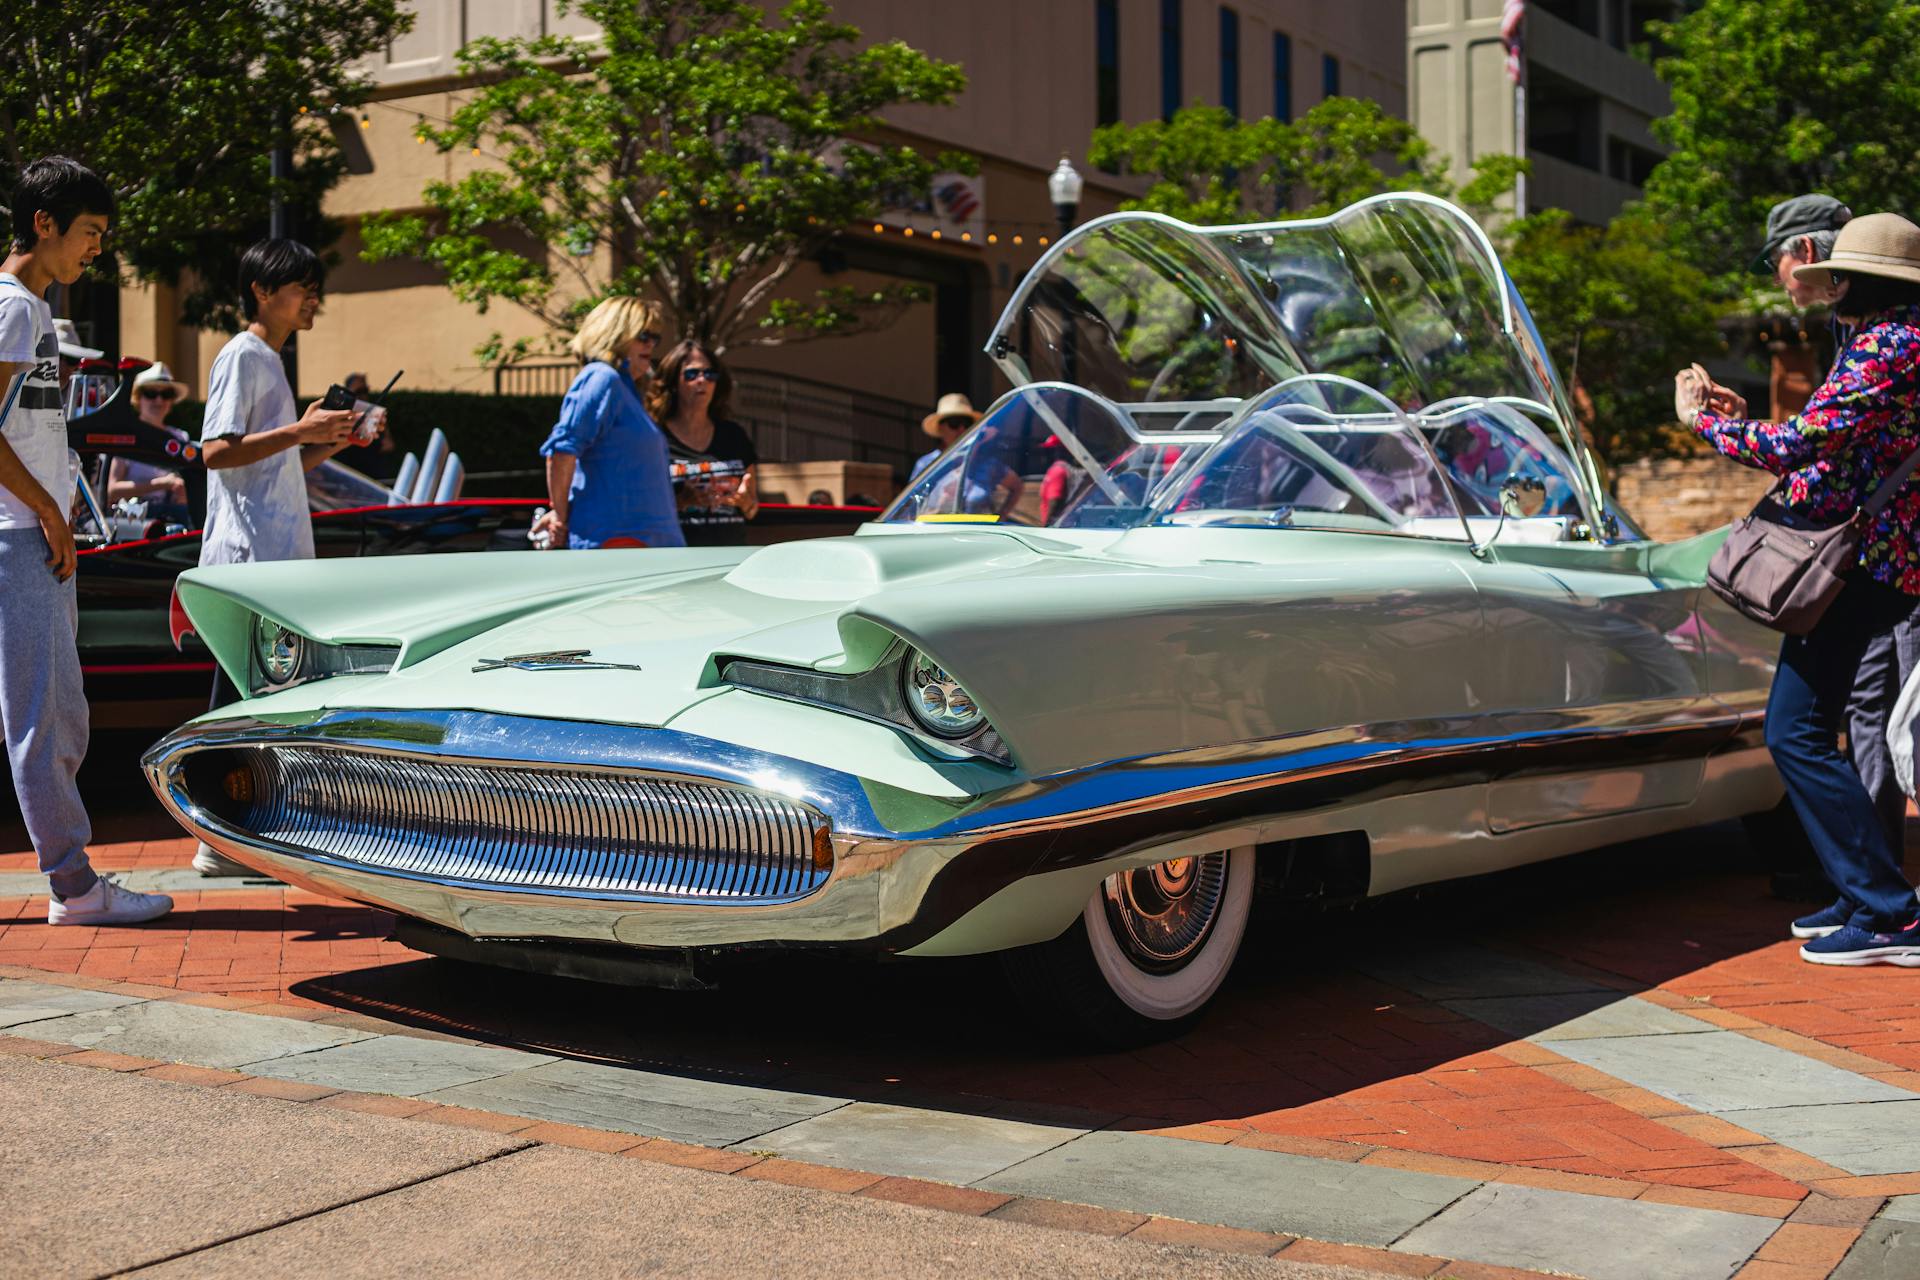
[(1591, 94), (1041, 77)]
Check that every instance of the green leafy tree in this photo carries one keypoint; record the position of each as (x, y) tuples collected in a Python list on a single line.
[(178, 105), (1779, 99), (1209, 167), (696, 152), (1619, 313)]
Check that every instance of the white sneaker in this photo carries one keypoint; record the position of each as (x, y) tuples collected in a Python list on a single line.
[(208, 862), (108, 903)]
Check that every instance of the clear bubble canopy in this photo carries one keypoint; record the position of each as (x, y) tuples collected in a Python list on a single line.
[(1375, 370)]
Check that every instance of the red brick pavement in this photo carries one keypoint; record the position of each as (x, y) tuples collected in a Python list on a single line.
[(1303, 1054)]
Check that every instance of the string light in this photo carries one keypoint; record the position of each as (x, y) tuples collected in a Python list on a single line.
[(935, 233), (1043, 242), (879, 229), (364, 122), (992, 238), (966, 235), (1016, 239), (907, 232)]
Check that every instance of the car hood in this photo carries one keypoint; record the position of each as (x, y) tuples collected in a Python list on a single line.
[(1079, 650)]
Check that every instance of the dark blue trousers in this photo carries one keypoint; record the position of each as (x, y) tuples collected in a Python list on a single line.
[(1806, 713)]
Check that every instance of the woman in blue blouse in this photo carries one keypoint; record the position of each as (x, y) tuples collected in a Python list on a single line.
[(607, 477)]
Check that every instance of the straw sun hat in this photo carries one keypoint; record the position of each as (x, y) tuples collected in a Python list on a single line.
[(952, 405), (1879, 244)]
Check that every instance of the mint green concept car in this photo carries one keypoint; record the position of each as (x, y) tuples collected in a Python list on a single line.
[(1282, 567)]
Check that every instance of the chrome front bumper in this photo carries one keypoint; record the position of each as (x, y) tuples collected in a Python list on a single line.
[(507, 827)]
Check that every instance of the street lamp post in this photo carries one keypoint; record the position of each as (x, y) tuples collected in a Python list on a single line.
[(1064, 185)]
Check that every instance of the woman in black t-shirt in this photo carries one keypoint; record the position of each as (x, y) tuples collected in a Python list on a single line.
[(713, 460)]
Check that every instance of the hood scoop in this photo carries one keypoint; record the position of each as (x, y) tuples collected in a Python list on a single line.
[(829, 569)]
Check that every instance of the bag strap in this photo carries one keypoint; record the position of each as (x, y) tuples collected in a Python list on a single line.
[(1884, 494)]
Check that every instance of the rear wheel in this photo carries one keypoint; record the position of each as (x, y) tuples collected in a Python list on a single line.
[(1146, 955)]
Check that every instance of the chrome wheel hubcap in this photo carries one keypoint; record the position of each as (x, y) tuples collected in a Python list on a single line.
[(1161, 915)]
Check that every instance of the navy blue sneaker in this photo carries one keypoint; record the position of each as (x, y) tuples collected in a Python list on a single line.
[(1823, 922), (1854, 946)]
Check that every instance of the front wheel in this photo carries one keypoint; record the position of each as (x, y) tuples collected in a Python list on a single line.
[(1146, 955)]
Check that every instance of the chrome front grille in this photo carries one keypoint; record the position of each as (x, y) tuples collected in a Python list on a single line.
[(547, 828)]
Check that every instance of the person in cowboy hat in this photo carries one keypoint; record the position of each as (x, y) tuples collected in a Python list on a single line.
[(1860, 425), (71, 351), (950, 420), (155, 392)]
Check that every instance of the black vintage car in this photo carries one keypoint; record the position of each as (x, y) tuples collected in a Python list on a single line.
[(137, 677)]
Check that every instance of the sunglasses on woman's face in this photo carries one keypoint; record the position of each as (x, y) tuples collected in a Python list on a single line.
[(647, 335), (159, 393), (698, 375)]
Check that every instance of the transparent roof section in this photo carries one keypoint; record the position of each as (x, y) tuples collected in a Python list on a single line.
[(1401, 294), (1319, 452), (1055, 455)]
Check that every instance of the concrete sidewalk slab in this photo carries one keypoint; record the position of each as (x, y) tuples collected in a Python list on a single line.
[(913, 1142), (1234, 1187), (31, 884), (1601, 1239), (25, 1002), (1862, 1137), (1720, 1071), (1902, 1209), (554, 1211), (1577, 1015), (1464, 973), (105, 1171), (1889, 1249), (403, 1065), (189, 1033), (684, 1108)]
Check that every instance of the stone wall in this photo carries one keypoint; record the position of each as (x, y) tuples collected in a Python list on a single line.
[(1678, 497)]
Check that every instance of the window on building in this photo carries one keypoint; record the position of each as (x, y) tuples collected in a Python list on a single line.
[(1170, 90), (1329, 76), (1563, 119), (1230, 60), (1629, 163), (1106, 57), (1282, 76)]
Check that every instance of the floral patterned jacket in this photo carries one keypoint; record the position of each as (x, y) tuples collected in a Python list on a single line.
[(1862, 422)]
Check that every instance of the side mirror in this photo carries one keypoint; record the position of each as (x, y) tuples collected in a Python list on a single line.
[(1522, 497)]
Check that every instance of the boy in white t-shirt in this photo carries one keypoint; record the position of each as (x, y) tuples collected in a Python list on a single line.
[(60, 213), (258, 446)]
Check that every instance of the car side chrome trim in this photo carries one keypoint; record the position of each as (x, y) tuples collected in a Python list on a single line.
[(900, 879)]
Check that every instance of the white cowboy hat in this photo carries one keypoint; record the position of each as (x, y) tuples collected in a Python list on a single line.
[(952, 405), (157, 374), (1879, 244), (70, 347)]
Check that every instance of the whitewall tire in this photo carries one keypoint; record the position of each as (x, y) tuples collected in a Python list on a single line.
[(1146, 955)]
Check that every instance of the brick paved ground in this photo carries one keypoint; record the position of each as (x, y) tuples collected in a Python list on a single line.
[(1306, 1052)]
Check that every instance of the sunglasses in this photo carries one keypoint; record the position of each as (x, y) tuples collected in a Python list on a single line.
[(159, 393), (699, 375), (961, 423), (647, 335)]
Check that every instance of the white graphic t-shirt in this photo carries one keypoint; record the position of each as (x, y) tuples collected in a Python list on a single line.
[(259, 511), (33, 421)]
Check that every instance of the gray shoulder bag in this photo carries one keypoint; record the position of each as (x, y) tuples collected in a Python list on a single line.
[(1782, 570)]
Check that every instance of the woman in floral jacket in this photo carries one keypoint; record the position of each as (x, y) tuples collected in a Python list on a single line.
[(1861, 424)]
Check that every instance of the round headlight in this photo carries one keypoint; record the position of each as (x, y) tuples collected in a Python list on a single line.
[(936, 699), (277, 652)]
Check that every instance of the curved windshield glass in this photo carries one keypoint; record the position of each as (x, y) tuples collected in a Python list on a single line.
[(1320, 452), (1051, 455), (1399, 293)]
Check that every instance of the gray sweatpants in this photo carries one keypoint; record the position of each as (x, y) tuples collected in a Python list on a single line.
[(43, 709), (1889, 660)]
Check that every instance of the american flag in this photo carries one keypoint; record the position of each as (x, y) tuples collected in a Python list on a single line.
[(1513, 18)]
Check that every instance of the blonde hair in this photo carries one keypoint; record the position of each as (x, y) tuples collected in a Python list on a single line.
[(610, 326)]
